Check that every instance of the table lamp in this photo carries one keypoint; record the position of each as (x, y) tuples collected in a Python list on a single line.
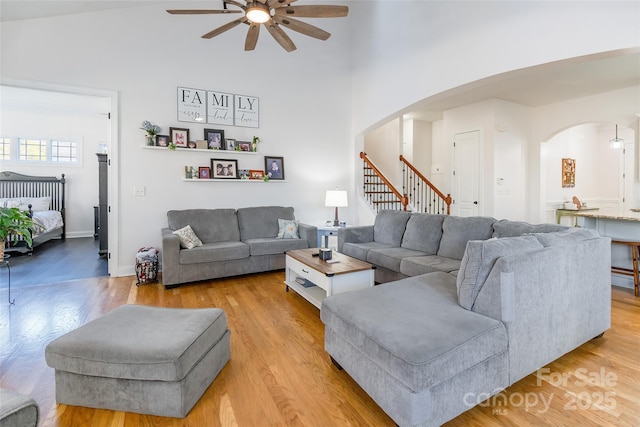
[(337, 199)]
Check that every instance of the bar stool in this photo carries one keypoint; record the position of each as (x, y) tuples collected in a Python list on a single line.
[(635, 256)]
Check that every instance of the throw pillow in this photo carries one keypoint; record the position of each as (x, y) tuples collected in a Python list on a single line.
[(478, 260), (288, 229), (188, 238)]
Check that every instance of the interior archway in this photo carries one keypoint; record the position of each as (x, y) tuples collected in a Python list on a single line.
[(604, 176)]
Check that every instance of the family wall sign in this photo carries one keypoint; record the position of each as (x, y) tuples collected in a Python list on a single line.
[(220, 108)]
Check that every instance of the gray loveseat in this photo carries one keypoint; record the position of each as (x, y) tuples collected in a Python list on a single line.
[(431, 346), (234, 241)]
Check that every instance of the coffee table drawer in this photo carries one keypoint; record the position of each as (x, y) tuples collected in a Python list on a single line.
[(308, 273)]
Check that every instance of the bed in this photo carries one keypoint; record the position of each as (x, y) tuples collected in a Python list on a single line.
[(43, 197)]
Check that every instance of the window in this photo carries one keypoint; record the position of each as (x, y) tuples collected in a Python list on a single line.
[(32, 149), (5, 149), (64, 151), (39, 150)]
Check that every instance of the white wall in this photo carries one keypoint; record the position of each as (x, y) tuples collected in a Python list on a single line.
[(384, 145), (426, 47), (145, 54)]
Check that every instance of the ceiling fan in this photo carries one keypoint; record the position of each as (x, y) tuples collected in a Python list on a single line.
[(273, 14)]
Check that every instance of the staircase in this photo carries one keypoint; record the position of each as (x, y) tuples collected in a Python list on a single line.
[(418, 193), (422, 194)]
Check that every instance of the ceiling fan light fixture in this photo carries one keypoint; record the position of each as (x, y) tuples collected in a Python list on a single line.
[(258, 13)]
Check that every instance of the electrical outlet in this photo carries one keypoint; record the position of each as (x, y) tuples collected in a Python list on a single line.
[(139, 191)]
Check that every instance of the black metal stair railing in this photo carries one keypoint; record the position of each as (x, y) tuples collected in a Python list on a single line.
[(377, 189), (422, 195)]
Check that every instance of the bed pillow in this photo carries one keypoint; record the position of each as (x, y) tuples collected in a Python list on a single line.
[(288, 229), (188, 238), (39, 204)]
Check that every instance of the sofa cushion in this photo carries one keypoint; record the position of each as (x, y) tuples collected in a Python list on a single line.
[(415, 329), (423, 233), (188, 238), (271, 246), (212, 252), (360, 250), (389, 226), (210, 225), (260, 222), (288, 229), (479, 259), (457, 231), (390, 258), (415, 266), (507, 228), (565, 237)]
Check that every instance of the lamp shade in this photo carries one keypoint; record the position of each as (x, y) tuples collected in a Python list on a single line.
[(336, 198)]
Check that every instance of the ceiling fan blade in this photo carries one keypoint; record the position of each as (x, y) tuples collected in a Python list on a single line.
[(224, 28), (302, 27), (317, 11), (274, 4), (235, 3), (252, 36), (200, 11), (280, 36)]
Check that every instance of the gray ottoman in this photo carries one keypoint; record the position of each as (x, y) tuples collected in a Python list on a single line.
[(17, 410), (141, 359)]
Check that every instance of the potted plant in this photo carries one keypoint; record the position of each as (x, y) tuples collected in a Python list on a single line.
[(14, 222)]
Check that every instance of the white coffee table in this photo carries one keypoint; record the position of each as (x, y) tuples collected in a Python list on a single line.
[(349, 274)]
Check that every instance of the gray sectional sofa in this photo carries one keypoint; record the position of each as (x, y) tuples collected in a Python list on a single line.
[(234, 241), (468, 318)]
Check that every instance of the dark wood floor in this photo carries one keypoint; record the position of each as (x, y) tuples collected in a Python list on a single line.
[(279, 373), (55, 261)]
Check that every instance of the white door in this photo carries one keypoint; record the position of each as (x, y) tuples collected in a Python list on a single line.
[(466, 173)]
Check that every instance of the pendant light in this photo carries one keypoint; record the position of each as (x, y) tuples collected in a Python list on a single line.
[(616, 143)]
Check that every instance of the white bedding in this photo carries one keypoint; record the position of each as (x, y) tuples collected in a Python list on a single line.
[(46, 221)]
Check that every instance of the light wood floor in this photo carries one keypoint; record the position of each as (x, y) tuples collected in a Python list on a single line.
[(279, 374)]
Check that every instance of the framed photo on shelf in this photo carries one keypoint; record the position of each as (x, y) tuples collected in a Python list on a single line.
[(204, 172), (224, 169), (243, 145), (230, 144), (243, 173), (162, 140), (274, 167), (214, 138), (179, 136), (256, 174)]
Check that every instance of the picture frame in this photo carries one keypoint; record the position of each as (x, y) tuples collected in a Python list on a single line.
[(204, 172), (215, 139), (568, 173), (256, 174), (243, 145), (162, 140), (243, 173), (179, 136), (274, 167), (230, 144), (224, 169)]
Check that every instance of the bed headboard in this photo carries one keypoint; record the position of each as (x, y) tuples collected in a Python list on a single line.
[(13, 184)]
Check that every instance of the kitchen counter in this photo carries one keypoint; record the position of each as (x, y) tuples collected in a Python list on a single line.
[(628, 215)]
